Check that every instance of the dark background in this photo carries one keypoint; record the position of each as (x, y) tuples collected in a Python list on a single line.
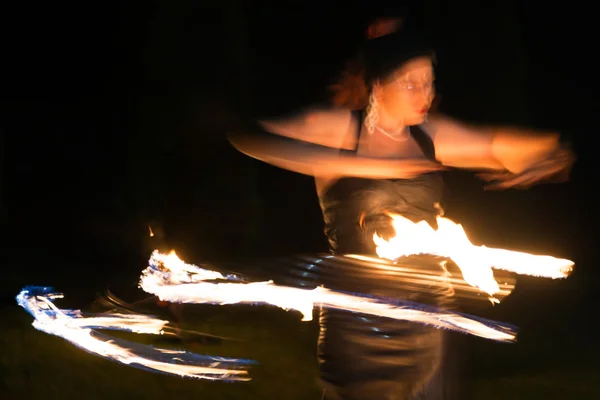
[(115, 115)]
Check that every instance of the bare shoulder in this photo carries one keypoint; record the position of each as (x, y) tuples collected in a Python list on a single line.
[(324, 126)]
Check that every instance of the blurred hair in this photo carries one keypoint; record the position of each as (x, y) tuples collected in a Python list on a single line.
[(351, 90)]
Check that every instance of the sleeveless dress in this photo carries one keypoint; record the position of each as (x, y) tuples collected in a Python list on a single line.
[(365, 357)]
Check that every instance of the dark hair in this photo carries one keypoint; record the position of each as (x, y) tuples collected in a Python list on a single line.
[(351, 90), (377, 60)]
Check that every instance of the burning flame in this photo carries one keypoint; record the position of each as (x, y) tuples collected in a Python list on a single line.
[(73, 327), (171, 279), (475, 262)]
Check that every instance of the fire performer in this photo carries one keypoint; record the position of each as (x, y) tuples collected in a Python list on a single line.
[(378, 152)]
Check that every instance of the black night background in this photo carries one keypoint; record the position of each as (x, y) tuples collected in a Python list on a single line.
[(114, 118)]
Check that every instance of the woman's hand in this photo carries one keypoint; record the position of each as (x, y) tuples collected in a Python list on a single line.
[(555, 169)]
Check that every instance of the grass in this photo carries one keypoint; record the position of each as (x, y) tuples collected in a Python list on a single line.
[(550, 384), (34, 364)]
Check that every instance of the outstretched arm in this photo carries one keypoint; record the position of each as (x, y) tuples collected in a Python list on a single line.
[(318, 144), (515, 157), (320, 161)]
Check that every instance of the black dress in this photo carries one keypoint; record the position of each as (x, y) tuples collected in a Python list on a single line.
[(366, 357)]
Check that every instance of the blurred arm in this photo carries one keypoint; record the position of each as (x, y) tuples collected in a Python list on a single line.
[(330, 128), (497, 148), (318, 144)]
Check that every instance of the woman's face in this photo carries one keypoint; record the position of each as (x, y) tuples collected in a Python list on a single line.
[(409, 92)]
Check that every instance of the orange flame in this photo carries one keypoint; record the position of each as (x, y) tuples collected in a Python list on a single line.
[(475, 262), (171, 279)]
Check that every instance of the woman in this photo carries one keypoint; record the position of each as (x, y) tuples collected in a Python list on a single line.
[(386, 157)]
